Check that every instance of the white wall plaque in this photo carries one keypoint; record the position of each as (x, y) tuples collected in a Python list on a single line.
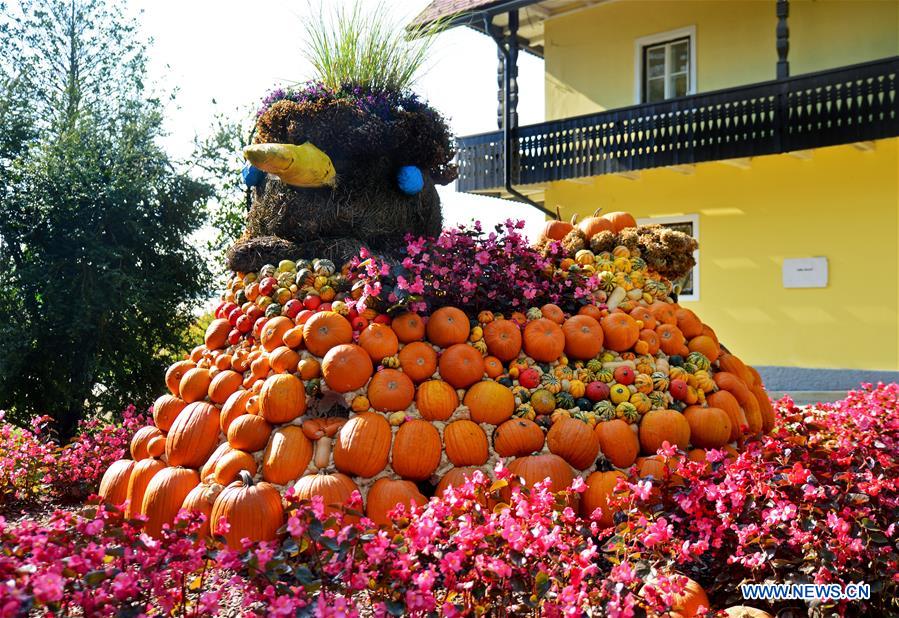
[(805, 272)]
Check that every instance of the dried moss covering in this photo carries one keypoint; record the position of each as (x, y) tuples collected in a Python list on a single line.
[(666, 251)]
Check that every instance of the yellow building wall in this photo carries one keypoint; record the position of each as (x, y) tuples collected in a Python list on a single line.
[(590, 54), (842, 204)]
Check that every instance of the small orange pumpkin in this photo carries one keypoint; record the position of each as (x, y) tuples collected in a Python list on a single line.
[(583, 337), (620, 220), (416, 450), (326, 330), (518, 437), (379, 341), (408, 327), (573, 441), (386, 494), (282, 398), (620, 331), (346, 367), (287, 454), (195, 384), (671, 339), (436, 400), (544, 340), (283, 360), (461, 365), (600, 487), (418, 360), (363, 445), (272, 334), (235, 406), (503, 339), (249, 433), (166, 409), (448, 326), (591, 226), (489, 402), (230, 464), (223, 385), (466, 443), (216, 335), (390, 390)]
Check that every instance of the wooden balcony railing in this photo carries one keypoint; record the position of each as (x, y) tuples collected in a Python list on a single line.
[(838, 106)]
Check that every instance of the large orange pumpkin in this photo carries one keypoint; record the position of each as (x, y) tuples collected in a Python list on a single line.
[(363, 445), (165, 409), (736, 387), (671, 339), (728, 403), (709, 427), (174, 374), (200, 500), (230, 464), (466, 443), (272, 334), (216, 335), (193, 436), (253, 510), (416, 450), (195, 384), (249, 433), (618, 442), (114, 484), (325, 330), (518, 437), (503, 339), (335, 489), (591, 226), (573, 441), (448, 326), (418, 360), (282, 398), (600, 487), (536, 468), (235, 406), (391, 390), (658, 426), (164, 496), (386, 494), (620, 220), (223, 385), (544, 340), (140, 442), (287, 455), (408, 327), (346, 367), (489, 402), (379, 341), (141, 475), (461, 365), (583, 337), (620, 331), (436, 400)]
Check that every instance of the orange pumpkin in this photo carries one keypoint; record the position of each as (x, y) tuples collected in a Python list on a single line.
[(644, 315), (195, 384), (346, 367), (223, 385), (618, 442), (249, 433), (556, 229), (706, 346), (663, 312), (730, 363), (114, 484), (591, 310), (309, 368), (748, 402), (193, 436), (235, 406), (651, 339), (503, 339), (620, 331), (620, 220), (272, 334), (466, 443), (164, 496), (688, 603), (688, 323), (165, 410), (335, 489), (418, 360), (727, 402), (436, 400), (156, 446), (536, 468), (583, 337), (493, 367), (518, 437), (416, 450), (454, 477), (208, 468), (216, 335), (743, 611), (489, 402), (658, 426), (600, 487), (200, 500), (408, 327), (293, 337), (386, 494), (141, 475), (671, 339), (448, 326), (709, 427), (553, 312), (390, 390), (765, 407), (461, 365), (326, 330), (140, 442), (253, 510), (573, 441), (286, 456), (544, 340), (282, 398), (363, 445), (591, 226), (379, 341), (283, 360), (230, 464)]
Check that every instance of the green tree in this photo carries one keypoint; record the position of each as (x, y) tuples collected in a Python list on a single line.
[(98, 273)]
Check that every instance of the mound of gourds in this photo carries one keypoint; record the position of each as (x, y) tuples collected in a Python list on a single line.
[(293, 387)]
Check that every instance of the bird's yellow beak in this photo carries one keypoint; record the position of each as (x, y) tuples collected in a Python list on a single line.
[(299, 166)]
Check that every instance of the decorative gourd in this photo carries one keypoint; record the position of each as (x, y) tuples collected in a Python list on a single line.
[(232, 462), (658, 426), (416, 450), (200, 500), (418, 361), (164, 496), (620, 331), (140, 442), (363, 445), (249, 433), (490, 402), (436, 400), (379, 341), (447, 326), (223, 385), (253, 510), (738, 423), (326, 330), (165, 410), (461, 365), (346, 367), (573, 441), (544, 340), (600, 487), (235, 406), (335, 489), (583, 337), (709, 427), (503, 339), (518, 437), (408, 327), (465, 442), (114, 484), (493, 367), (390, 390), (386, 494), (141, 475), (618, 442), (287, 455), (193, 436)]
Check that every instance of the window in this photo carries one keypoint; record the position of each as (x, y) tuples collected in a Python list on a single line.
[(688, 224), (665, 65)]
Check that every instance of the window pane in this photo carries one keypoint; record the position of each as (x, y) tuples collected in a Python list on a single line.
[(680, 56), (655, 62), (678, 85), (655, 90)]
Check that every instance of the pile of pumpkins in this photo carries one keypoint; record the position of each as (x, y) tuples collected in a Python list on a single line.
[(293, 387)]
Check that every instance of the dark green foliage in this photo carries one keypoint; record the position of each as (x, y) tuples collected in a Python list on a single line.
[(97, 273)]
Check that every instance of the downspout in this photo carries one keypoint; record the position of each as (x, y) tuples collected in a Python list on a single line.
[(509, 130)]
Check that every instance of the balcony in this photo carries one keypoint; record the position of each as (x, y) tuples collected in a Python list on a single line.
[(839, 106)]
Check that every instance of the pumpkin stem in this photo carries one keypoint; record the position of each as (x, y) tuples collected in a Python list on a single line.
[(597, 211), (574, 219), (558, 214), (245, 478)]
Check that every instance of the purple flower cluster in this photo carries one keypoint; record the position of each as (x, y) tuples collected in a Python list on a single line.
[(384, 104)]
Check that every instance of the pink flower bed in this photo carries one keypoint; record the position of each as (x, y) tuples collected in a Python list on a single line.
[(815, 502)]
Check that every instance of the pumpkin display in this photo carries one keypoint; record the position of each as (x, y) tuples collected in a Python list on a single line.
[(489, 402), (193, 436), (253, 511), (416, 450), (465, 443), (386, 494), (164, 496), (114, 484), (286, 456), (363, 445)]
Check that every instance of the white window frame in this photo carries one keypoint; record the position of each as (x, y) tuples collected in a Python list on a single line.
[(694, 221), (655, 39)]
